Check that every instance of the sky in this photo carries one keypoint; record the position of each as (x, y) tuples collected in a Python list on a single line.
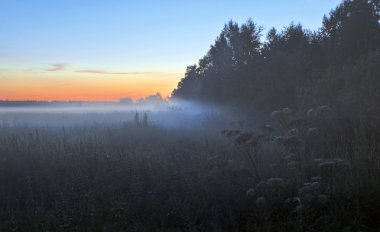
[(109, 49)]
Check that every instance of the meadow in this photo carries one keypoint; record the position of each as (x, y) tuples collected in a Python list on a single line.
[(116, 171), (275, 127)]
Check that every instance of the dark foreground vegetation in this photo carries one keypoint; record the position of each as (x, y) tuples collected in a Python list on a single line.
[(314, 166), (140, 177)]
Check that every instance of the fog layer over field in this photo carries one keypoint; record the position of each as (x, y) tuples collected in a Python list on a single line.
[(168, 114)]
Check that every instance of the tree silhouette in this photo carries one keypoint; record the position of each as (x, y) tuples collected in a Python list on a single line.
[(145, 119), (286, 69), (136, 118)]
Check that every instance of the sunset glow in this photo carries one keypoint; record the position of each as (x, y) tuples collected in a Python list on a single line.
[(71, 85), (107, 50)]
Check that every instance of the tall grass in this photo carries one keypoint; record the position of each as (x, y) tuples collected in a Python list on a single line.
[(297, 174)]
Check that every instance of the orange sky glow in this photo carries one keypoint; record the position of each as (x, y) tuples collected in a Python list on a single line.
[(85, 85), (106, 50)]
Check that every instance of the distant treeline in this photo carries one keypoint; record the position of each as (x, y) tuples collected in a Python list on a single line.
[(155, 99), (338, 65), (9, 103)]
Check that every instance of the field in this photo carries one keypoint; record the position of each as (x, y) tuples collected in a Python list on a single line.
[(208, 172)]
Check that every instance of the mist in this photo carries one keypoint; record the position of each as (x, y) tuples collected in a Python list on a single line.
[(168, 114)]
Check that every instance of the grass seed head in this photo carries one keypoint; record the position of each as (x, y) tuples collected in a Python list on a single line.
[(262, 202)]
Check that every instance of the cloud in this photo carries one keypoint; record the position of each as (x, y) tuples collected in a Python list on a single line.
[(56, 67), (96, 71)]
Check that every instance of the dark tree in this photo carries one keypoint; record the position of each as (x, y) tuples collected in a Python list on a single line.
[(293, 67)]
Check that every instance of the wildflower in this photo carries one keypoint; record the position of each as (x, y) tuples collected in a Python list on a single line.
[(212, 158), (262, 187), (261, 202), (323, 199), (275, 182), (289, 157), (292, 165), (172, 220), (299, 208), (291, 142), (326, 165), (312, 132), (279, 116), (311, 113), (250, 192), (279, 139), (308, 197), (342, 163), (306, 189), (276, 114), (268, 127), (317, 161), (243, 137), (326, 168), (232, 133), (273, 166), (316, 179), (293, 131), (286, 110), (299, 122), (324, 110), (307, 184), (240, 123), (292, 202), (254, 140), (316, 186)]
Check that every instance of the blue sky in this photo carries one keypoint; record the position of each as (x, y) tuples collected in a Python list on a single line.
[(132, 36)]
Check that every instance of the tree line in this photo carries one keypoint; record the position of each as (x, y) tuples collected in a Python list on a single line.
[(337, 65)]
